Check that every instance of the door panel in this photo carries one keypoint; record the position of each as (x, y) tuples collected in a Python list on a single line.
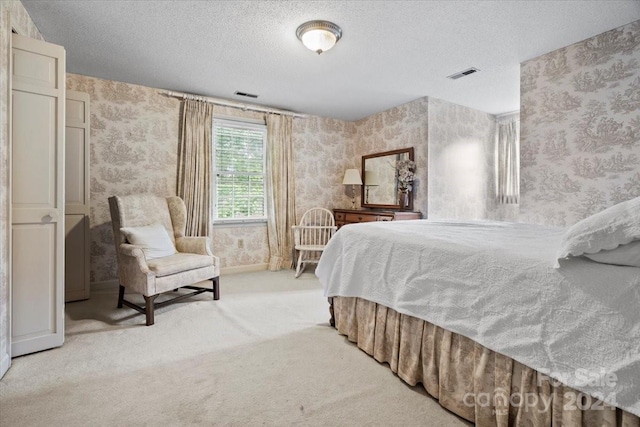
[(74, 167), (37, 195), (76, 257), (34, 265), (34, 68), (75, 110), (77, 197), (34, 181)]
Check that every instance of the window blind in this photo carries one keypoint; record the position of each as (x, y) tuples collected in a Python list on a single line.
[(239, 172)]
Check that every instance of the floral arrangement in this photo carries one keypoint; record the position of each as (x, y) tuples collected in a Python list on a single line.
[(405, 170)]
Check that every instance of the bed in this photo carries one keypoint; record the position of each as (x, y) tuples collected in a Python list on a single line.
[(490, 320)]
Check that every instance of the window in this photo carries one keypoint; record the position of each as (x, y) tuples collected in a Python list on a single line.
[(238, 171)]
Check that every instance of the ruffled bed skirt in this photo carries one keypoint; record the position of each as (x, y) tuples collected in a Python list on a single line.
[(468, 379)]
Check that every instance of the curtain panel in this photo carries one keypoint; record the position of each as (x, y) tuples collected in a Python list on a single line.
[(508, 160), (280, 188), (194, 166)]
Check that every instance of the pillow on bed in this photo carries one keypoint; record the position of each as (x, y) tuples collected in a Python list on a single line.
[(606, 230), (628, 254), (152, 239)]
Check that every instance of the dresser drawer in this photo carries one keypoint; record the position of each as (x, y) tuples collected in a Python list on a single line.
[(361, 217), (348, 216)]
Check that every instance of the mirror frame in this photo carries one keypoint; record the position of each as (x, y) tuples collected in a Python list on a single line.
[(363, 186)]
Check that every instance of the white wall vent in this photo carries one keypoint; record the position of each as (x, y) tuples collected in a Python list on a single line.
[(463, 73)]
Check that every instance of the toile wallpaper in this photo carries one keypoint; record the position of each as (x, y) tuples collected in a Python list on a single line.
[(12, 15), (403, 126), (462, 163), (134, 143), (322, 152), (580, 128)]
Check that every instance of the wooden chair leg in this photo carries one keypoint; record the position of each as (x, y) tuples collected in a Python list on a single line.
[(120, 296), (149, 308), (216, 288)]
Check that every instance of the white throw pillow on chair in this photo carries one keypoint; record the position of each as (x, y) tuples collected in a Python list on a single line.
[(152, 239)]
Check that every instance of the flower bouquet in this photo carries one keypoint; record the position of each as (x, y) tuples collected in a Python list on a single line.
[(405, 175)]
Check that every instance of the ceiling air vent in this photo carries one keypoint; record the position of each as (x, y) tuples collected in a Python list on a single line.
[(248, 95), (463, 73)]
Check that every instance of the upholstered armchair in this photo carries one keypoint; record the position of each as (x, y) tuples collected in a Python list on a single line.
[(154, 255)]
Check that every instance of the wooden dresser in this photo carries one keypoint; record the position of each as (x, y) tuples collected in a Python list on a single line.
[(348, 216)]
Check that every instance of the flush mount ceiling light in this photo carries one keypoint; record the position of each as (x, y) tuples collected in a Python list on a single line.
[(319, 36)]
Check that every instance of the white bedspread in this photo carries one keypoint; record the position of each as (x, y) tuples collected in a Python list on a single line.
[(495, 282)]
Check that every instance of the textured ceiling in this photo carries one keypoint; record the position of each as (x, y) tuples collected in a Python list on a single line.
[(391, 52)]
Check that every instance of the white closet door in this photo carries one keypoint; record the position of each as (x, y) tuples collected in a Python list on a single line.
[(76, 183), (37, 195)]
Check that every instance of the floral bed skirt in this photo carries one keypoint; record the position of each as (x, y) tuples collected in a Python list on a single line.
[(476, 383)]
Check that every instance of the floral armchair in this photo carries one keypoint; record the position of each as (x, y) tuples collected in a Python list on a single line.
[(154, 255)]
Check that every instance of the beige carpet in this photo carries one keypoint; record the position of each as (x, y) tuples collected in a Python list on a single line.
[(262, 355)]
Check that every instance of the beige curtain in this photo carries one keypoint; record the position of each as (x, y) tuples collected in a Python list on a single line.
[(280, 191), (194, 166), (508, 159)]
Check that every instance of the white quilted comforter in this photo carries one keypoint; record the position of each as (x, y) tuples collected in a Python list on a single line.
[(495, 282)]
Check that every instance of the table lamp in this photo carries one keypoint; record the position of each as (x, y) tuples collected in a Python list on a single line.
[(352, 177)]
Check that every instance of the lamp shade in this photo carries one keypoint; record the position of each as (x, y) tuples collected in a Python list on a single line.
[(352, 177), (371, 178)]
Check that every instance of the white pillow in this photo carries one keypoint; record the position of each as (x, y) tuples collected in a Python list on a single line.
[(152, 239), (606, 230), (628, 254)]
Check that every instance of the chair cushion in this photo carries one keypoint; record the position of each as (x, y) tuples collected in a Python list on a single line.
[(179, 263), (152, 239)]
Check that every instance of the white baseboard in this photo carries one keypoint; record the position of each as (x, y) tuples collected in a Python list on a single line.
[(243, 268), (5, 362), (112, 284)]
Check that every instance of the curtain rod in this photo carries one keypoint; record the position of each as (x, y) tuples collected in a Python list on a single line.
[(228, 103), (507, 114)]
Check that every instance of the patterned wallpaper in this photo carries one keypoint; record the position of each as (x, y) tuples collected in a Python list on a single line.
[(12, 14), (403, 126), (462, 163), (580, 128), (134, 143), (322, 152), (134, 140)]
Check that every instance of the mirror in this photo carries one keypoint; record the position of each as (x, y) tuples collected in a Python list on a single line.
[(379, 178)]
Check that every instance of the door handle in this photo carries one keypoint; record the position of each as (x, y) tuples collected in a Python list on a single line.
[(52, 214)]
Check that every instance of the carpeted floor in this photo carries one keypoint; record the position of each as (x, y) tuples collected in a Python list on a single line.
[(262, 355)]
